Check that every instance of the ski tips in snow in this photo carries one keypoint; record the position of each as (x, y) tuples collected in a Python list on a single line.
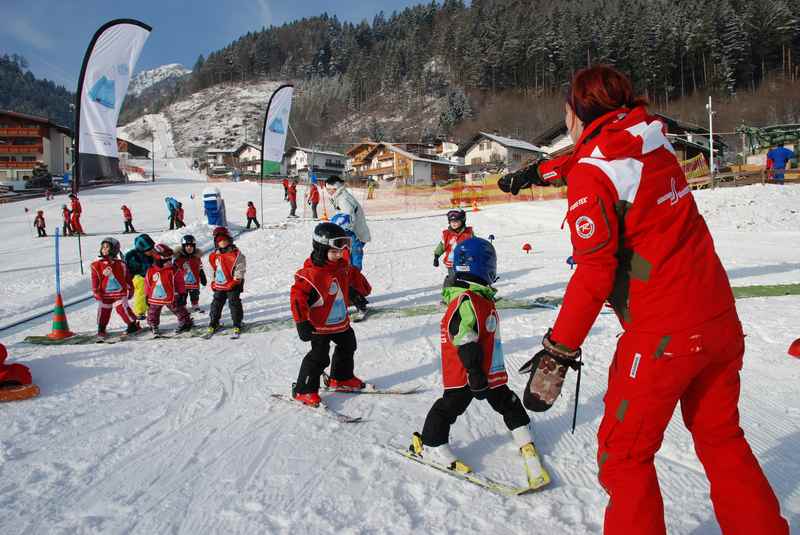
[(322, 409), (496, 487)]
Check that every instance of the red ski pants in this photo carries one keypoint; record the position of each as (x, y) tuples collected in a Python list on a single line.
[(76, 224), (649, 375), (104, 312)]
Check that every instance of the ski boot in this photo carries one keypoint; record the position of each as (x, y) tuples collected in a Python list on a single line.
[(155, 330), (346, 385), (186, 327), (237, 332), (101, 336), (442, 455), (537, 475), (133, 327), (308, 398)]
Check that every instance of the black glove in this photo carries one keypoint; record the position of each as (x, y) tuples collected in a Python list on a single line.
[(358, 300), (203, 279), (521, 179), (548, 369), (305, 330), (435, 261), (478, 384)]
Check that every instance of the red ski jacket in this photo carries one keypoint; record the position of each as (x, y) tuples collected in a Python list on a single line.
[(638, 239), (451, 238), (292, 192), (322, 294), (126, 213), (251, 211), (313, 195), (110, 279), (76, 207), (454, 375)]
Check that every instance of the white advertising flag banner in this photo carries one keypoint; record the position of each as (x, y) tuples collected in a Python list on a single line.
[(106, 72), (276, 126)]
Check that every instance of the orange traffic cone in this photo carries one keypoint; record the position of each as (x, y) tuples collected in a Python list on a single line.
[(60, 327)]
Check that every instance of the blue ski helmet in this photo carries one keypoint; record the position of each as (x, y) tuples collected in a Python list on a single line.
[(343, 220), (474, 259)]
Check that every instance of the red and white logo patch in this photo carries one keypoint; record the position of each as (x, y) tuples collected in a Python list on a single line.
[(584, 226)]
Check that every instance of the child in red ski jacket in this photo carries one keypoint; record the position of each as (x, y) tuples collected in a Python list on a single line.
[(65, 214), (473, 366), (251, 215), (319, 301), (456, 232), (39, 223), (188, 260), (128, 217), (163, 284), (112, 286), (228, 267)]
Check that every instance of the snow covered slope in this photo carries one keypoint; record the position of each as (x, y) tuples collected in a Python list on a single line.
[(147, 79), (181, 436), (221, 116)]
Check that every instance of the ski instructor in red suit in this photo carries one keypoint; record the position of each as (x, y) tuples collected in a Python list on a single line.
[(640, 244)]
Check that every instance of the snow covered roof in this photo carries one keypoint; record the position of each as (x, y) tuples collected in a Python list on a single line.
[(504, 141), (415, 157), (220, 151), (315, 151)]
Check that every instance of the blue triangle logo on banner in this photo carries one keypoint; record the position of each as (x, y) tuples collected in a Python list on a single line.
[(338, 311), (113, 285), (104, 92), (276, 126)]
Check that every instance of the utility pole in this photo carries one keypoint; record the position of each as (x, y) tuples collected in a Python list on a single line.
[(711, 137)]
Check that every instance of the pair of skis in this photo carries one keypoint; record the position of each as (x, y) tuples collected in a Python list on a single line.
[(326, 410), (535, 481)]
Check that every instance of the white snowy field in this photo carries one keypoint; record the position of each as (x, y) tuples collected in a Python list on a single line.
[(181, 436)]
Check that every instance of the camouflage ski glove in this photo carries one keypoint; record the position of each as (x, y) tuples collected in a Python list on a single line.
[(548, 369)]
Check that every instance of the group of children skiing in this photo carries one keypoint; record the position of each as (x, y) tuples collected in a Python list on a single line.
[(155, 276)]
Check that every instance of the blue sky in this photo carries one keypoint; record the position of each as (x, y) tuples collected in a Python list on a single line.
[(53, 34)]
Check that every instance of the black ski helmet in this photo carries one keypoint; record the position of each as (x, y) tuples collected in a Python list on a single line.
[(113, 244), (188, 239), (325, 235), (457, 215)]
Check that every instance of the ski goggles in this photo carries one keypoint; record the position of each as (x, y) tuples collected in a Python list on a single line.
[(340, 243), (455, 215)]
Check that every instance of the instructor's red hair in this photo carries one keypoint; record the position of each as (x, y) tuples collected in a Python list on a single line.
[(597, 90)]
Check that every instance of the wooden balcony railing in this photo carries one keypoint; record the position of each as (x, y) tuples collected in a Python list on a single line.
[(21, 149), (19, 165), (21, 132)]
